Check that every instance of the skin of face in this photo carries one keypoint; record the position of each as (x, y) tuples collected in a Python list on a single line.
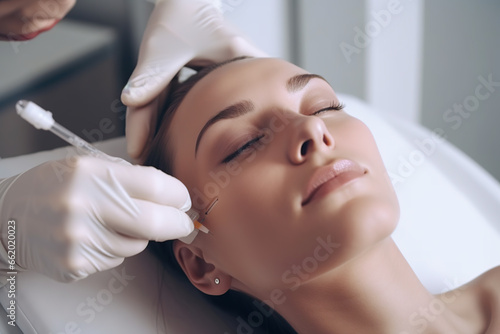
[(21, 17), (262, 235)]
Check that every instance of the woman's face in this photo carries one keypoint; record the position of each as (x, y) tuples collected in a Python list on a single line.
[(24, 19), (264, 144)]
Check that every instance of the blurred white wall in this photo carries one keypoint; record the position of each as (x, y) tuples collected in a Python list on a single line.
[(266, 23), (368, 48), (419, 60), (323, 27), (393, 31), (461, 54)]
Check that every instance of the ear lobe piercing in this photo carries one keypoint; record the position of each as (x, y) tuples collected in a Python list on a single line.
[(217, 281)]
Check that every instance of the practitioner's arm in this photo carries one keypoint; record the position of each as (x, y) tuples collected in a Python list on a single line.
[(68, 219), (179, 33)]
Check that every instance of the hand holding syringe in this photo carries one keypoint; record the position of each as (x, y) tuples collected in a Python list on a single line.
[(42, 119), (90, 217)]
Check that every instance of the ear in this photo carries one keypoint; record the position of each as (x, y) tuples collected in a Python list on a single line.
[(202, 275)]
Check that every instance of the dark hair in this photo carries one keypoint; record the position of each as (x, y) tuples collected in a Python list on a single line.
[(160, 155)]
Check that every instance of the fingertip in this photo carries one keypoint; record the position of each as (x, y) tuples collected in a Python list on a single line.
[(145, 86), (242, 47), (134, 97), (126, 98), (187, 204), (182, 227), (169, 190), (138, 91), (180, 187), (188, 223)]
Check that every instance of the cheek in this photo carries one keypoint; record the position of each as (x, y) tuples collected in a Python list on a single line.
[(251, 206), (352, 134), (376, 164), (252, 220), (256, 221), (355, 139), (374, 213)]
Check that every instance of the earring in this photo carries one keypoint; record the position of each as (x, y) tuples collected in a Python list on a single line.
[(217, 281)]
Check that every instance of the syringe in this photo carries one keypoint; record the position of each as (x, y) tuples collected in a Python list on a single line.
[(42, 119)]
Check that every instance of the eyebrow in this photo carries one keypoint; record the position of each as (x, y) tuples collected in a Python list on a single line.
[(299, 81), (293, 85), (236, 110)]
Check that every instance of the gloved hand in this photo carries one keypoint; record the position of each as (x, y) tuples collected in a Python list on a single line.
[(74, 218), (179, 33)]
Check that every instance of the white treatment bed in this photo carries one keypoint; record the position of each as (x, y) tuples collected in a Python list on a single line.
[(449, 232)]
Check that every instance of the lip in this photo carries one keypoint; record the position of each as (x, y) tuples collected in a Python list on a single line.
[(330, 177), (28, 36)]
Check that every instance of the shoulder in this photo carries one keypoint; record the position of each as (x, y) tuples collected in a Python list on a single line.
[(489, 282), (478, 302), (487, 289)]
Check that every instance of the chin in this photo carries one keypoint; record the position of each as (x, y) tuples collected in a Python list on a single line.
[(364, 221)]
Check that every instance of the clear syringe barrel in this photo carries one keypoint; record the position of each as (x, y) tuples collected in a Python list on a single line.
[(80, 144), (42, 119)]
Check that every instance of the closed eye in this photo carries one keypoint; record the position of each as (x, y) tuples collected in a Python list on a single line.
[(334, 106), (247, 146)]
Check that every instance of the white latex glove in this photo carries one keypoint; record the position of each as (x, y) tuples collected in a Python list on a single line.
[(179, 33), (74, 218)]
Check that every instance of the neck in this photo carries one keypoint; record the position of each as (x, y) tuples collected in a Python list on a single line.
[(377, 292)]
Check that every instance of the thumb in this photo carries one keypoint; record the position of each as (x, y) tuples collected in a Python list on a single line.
[(139, 129), (148, 81), (243, 47), (155, 69)]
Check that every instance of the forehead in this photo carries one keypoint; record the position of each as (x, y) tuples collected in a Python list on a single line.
[(237, 80), (247, 79)]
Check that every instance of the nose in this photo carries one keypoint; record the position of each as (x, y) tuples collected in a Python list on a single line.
[(308, 135)]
